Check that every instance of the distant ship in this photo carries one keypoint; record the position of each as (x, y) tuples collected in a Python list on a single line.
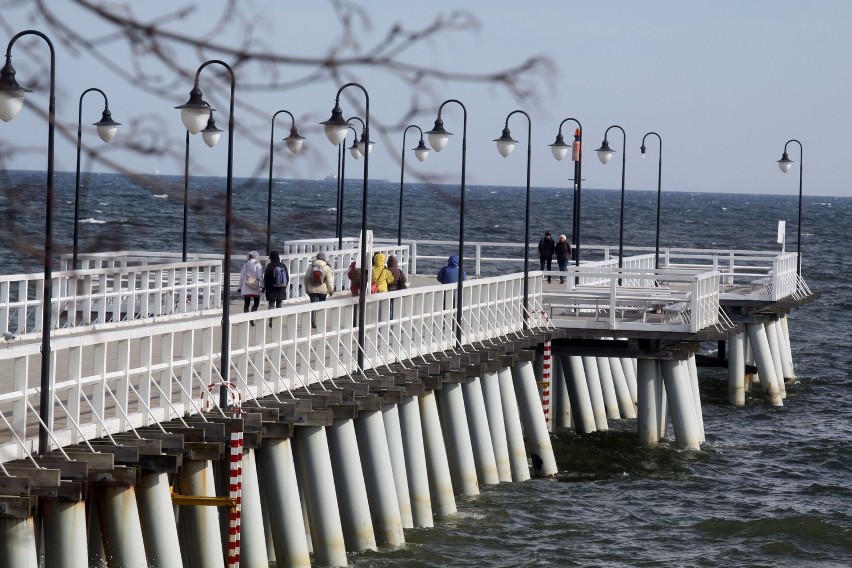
[(332, 177)]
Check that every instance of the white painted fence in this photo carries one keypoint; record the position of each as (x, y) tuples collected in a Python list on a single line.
[(130, 377), (638, 299), (113, 294)]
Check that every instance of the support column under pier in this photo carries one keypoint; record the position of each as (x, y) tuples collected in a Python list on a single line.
[(681, 404), (437, 466), (692, 367), (535, 424), (593, 381), (198, 525), (252, 532), (64, 534), (157, 518), (350, 485), (18, 543), (626, 404), (496, 425), (122, 531), (457, 439), (608, 388), (514, 430), (648, 390), (480, 435), (561, 404), (313, 467), (578, 393), (736, 369), (280, 489), (378, 476), (775, 350), (789, 368), (765, 366), (390, 414), (415, 461), (629, 366)]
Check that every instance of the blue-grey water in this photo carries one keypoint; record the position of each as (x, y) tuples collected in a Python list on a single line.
[(771, 486)]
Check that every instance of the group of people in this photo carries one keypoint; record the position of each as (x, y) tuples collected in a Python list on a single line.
[(384, 277), (547, 247), (272, 281)]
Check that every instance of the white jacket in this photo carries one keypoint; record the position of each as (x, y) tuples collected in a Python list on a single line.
[(254, 268)]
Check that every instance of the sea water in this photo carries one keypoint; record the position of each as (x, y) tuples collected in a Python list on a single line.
[(770, 487)]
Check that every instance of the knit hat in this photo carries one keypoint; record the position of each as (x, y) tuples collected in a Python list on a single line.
[(253, 254), (320, 255)]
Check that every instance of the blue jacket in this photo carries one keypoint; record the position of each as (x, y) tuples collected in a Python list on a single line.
[(450, 273)]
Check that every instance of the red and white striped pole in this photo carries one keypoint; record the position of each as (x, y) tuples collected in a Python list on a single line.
[(544, 385), (235, 493)]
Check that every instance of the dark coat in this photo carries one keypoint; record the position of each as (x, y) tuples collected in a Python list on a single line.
[(273, 294), (563, 250), (546, 248)]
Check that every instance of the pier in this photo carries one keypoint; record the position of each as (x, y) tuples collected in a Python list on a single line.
[(312, 457)]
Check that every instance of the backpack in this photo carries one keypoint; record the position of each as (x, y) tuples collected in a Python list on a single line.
[(318, 275), (279, 277)]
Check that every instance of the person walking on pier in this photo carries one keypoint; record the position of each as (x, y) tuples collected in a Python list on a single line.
[(319, 282), (546, 248), (251, 282), (450, 272), (563, 255), (275, 280)]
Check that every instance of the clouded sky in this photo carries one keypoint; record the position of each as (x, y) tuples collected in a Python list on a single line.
[(724, 83)]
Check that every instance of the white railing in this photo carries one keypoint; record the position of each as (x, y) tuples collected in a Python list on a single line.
[(112, 294), (126, 378), (606, 297), (296, 256)]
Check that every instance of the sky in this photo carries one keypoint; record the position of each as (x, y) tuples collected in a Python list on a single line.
[(725, 84)]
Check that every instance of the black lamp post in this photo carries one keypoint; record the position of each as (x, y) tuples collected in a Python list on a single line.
[(422, 152), (659, 193), (11, 101), (341, 186), (106, 130), (336, 128), (294, 143), (438, 138), (560, 149), (505, 145), (211, 135), (785, 163), (604, 155), (195, 113)]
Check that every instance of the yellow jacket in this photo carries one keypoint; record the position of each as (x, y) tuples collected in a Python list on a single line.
[(381, 276)]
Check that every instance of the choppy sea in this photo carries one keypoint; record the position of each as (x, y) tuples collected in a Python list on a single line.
[(770, 487)]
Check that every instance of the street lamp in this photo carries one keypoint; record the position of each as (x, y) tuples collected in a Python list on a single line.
[(294, 143), (560, 149), (341, 181), (11, 101), (659, 193), (604, 155), (785, 163), (195, 113), (335, 130), (211, 135), (421, 152), (438, 138), (505, 145), (106, 130)]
